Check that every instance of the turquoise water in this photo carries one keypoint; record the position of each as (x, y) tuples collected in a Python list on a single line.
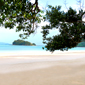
[(18, 48), (27, 48)]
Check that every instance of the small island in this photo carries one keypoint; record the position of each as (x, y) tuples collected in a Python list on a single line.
[(22, 42)]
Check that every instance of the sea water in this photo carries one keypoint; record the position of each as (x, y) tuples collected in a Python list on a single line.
[(29, 48), (19, 48), (16, 50)]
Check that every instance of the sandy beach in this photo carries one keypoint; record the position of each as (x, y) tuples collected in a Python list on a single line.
[(43, 68)]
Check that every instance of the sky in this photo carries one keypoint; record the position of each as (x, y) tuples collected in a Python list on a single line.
[(8, 36)]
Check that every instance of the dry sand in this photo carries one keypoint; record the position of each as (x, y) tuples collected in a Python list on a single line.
[(56, 69)]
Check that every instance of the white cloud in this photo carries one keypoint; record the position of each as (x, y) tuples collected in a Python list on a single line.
[(33, 1)]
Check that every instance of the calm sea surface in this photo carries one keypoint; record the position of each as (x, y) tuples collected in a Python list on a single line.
[(28, 48)]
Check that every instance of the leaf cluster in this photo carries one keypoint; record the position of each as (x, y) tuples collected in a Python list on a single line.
[(20, 13), (70, 25)]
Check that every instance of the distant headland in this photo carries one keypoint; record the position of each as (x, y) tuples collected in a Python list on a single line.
[(22, 42), (82, 43)]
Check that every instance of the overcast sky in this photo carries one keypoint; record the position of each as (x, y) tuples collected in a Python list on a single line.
[(9, 36)]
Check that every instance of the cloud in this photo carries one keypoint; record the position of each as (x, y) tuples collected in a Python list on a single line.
[(33, 1)]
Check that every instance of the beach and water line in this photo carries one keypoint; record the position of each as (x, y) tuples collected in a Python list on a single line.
[(38, 67)]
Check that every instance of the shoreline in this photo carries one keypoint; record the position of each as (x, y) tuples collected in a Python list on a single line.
[(39, 52), (12, 59)]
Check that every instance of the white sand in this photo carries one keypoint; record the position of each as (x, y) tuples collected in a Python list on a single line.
[(42, 68), (20, 61)]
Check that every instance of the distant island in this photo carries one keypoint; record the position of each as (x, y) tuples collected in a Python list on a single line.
[(81, 44), (22, 42)]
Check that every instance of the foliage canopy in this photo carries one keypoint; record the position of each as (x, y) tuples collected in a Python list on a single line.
[(70, 25), (24, 15), (20, 13)]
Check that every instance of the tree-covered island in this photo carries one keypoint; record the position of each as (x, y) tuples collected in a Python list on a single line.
[(82, 43), (22, 42)]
